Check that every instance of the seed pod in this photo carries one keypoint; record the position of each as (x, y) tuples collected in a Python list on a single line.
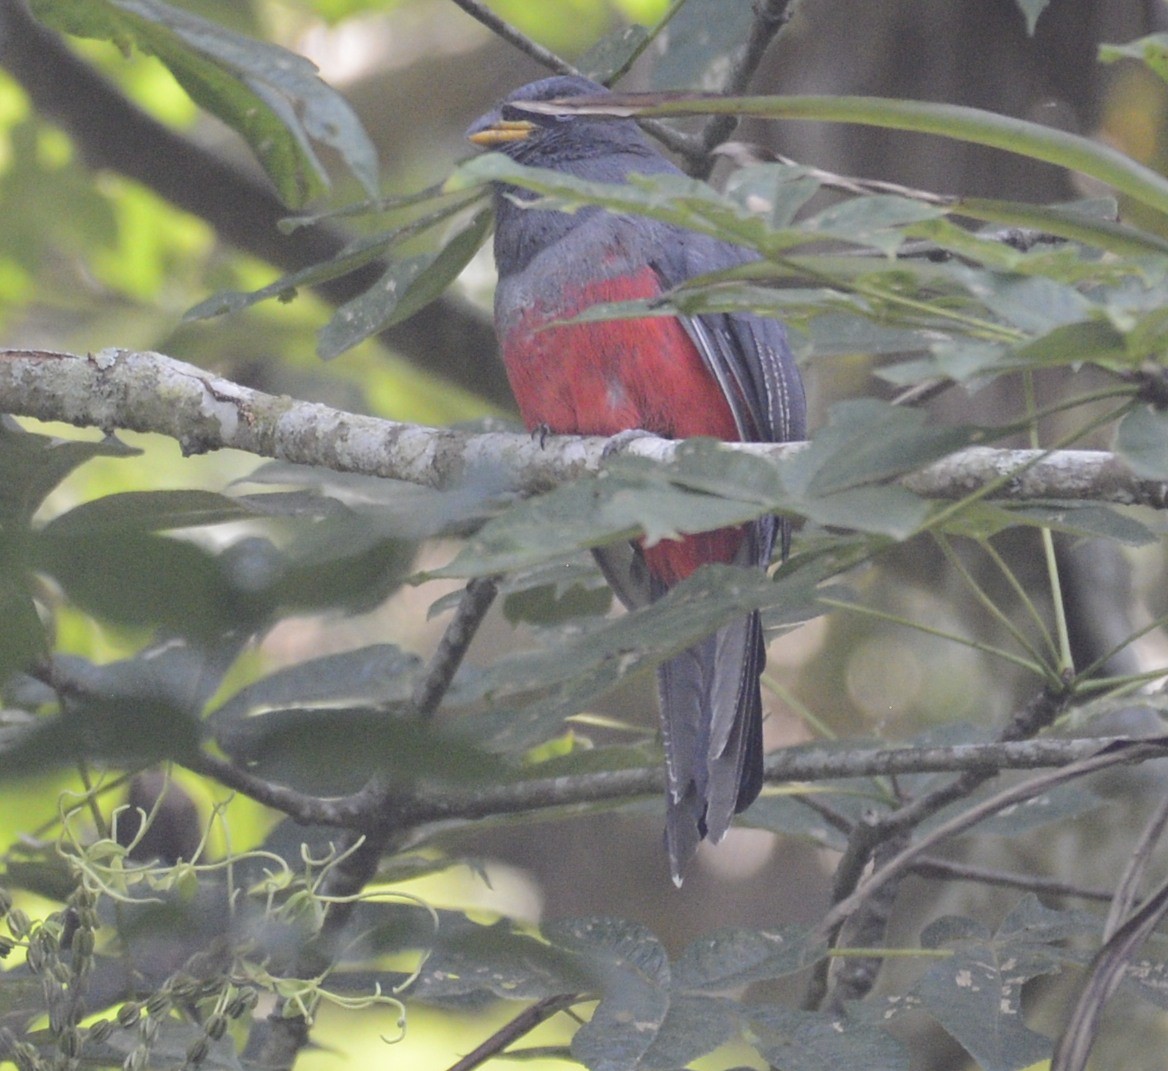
[(129, 1013), (18, 923), (197, 1050), (101, 1030)]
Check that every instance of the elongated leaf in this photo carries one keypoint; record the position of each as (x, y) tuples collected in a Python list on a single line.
[(269, 95), (147, 511), (378, 674), (1026, 138), (406, 286), (355, 255), (533, 692)]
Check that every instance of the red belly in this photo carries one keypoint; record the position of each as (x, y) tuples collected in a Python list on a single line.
[(601, 378)]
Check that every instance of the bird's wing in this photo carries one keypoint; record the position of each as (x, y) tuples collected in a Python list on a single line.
[(749, 356)]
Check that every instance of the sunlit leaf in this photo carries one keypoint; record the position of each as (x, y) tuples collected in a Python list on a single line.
[(272, 97)]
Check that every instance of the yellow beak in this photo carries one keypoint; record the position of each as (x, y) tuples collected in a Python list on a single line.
[(502, 132)]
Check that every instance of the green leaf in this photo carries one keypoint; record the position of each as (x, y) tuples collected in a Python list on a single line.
[(378, 674), (1033, 140), (530, 694), (407, 286), (611, 56), (272, 97), (354, 255), (976, 994), (467, 960), (333, 750), (693, 1026), (147, 511), (868, 440), (778, 189), (129, 713), (729, 958), (1087, 519), (31, 465), (144, 580), (628, 967), (874, 220), (1142, 441), (700, 43), (811, 1041)]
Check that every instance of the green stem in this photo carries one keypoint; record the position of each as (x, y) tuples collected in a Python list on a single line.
[(994, 610), (894, 619), (1065, 660)]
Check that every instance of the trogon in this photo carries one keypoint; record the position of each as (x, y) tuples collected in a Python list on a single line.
[(730, 376)]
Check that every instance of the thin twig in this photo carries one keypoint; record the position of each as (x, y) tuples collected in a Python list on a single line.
[(525, 1022), (947, 870), (472, 608), (1112, 756), (770, 16), (869, 844), (513, 36), (1127, 892), (380, 833), (1104, 975), (809, 764)]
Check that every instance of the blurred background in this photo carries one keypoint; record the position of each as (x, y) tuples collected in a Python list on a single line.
[(95, 253)]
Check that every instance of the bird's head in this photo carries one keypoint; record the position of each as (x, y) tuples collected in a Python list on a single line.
[(548, 140)]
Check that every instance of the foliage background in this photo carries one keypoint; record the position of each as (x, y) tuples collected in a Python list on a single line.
[(91, 258)]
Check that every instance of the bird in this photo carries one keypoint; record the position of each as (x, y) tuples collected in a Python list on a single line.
[(729, 376)]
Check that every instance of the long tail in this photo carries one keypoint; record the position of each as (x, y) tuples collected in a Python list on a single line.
[(711, 716)]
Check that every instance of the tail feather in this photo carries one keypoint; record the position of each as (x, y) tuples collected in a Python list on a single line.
[(711, 714)]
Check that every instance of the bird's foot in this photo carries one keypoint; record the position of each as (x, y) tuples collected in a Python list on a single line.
[(540, 433), (621, 439)]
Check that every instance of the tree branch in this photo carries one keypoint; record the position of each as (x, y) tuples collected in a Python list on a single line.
[(770, 16), (147, 392), (798, 764)]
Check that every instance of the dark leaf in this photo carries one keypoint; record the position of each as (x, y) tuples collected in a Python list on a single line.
[(378, 674), (976, 994), (32, 465), (693, 1026), (700, 43), (406, 286), (612, 54), (333, 750), (868, 440), (565, 677), (731, 958), (147, 511), (627, 966), (811, 1041), (497, 960)]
